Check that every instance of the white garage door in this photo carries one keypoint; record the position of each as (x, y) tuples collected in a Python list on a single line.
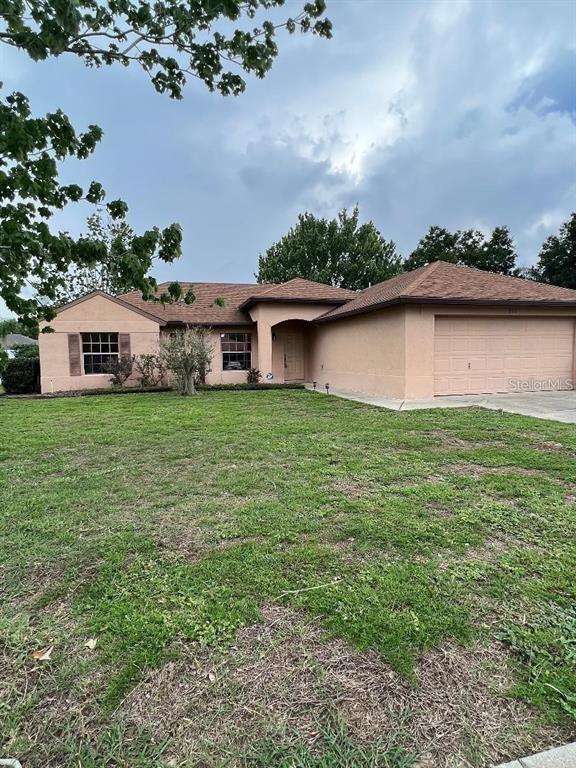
[(480, 355)]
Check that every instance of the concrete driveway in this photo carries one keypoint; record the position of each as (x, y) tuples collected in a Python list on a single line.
[(556, 406)]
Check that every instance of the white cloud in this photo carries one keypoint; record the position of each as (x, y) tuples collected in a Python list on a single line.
[(421, 127), (415, 110)]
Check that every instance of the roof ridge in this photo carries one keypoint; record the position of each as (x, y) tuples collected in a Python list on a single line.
[(514, 278), (426, 271), (207, 282), (272, 286)]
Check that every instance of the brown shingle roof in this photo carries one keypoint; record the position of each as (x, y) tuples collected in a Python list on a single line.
[(299, 289), (236, 299), (445, 283), (204, 309)]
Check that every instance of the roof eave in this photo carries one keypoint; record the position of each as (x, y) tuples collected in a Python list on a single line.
[(290, 300), (117, 300), (534, 303), (203, 324)]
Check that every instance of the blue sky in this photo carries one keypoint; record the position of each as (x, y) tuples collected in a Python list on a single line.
[(459, 113)]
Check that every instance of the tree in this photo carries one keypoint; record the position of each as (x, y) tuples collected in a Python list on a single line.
[(557, 258), (108, 275), (338, 252), (437, 245), (498, 254), (188, 354), (170, 41), (9, 325), (468, 247)]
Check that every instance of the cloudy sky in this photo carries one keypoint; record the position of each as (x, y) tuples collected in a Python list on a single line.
[(459, 113)]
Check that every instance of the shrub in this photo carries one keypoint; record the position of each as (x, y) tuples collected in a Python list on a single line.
[(21, 375), (119, 369), (243, 387), (26, 350), (150, 369), (3, 359), (253, 376)]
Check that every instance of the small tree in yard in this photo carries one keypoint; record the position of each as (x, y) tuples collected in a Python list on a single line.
[(188, 354)]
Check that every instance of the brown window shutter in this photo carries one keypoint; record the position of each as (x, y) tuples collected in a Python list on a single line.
[(74, 354), (124, 344)]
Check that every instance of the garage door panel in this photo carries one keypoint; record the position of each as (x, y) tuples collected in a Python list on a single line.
[(480, 355), (478, 344), (477, 363)]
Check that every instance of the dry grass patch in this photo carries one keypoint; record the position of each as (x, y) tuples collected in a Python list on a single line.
[(448, 441), (353, 488), (439, 510), (284, 676), (478, 470)]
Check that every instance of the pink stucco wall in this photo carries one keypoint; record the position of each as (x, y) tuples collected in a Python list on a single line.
[(273, 319), (219, 376), (390, 352), (363, 353), (97, 314), (100, 314)]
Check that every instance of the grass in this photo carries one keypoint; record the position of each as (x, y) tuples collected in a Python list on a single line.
[(163, 526)]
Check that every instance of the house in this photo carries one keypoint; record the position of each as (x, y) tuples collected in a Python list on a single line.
[(438, 330), (13, 340)]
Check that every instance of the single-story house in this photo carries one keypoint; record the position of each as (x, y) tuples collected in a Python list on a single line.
[(438, 330), (13, 340)]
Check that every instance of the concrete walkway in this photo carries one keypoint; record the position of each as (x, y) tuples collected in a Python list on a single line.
[(556, 406), (561, 757)]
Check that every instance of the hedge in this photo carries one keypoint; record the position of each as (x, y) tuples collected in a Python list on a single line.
[(244, 386), (144, 390), (21, 375)]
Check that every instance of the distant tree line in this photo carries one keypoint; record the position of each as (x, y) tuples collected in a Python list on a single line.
[(348, 254), (343, 252)]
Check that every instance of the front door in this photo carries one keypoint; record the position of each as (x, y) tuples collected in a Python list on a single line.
[(293, 356)]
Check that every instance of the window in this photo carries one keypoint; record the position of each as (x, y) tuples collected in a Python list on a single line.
[(97, 350), (236, 351)]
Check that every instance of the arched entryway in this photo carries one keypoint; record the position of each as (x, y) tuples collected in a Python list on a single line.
[(290, 342)]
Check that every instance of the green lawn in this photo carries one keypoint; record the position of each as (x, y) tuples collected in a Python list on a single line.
[(283, 579)]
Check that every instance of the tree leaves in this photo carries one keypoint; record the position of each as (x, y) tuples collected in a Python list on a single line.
[(468, 247), (338, 251), (171, 42), (557, 258)]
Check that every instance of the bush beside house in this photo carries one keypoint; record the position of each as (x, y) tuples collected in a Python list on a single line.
[(21, 375)]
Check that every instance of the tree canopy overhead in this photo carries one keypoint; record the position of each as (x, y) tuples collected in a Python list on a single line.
[(338, 251), (214, 41), (169, 39)]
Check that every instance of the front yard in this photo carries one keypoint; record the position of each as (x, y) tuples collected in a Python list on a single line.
[(278, 579)]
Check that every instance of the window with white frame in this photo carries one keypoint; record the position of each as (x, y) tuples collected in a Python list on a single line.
[(97, 351), (236, 351)]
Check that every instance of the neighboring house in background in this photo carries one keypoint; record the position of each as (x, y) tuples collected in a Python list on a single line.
[(12, 340), (441, 329)]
